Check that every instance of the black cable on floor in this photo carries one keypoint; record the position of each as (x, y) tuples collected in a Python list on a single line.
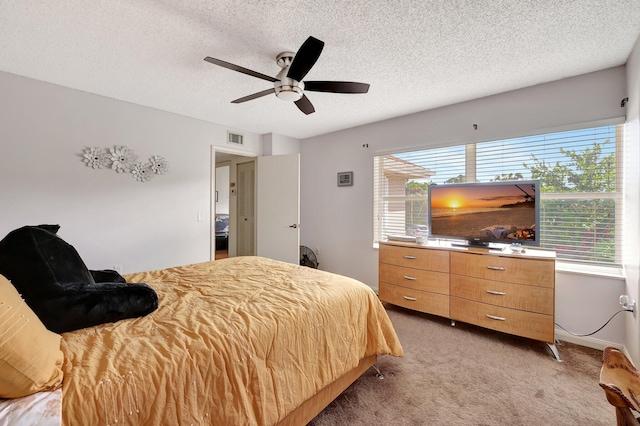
[(584, 335)]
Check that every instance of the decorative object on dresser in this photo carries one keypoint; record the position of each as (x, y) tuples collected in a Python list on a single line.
[(496, 289)]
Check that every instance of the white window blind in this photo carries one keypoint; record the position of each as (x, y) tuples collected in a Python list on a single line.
[(580, 172)]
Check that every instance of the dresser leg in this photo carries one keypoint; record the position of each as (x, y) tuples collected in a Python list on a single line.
[(453, 323), (553, 348)]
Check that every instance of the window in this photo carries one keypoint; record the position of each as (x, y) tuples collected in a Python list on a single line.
[(580, 174)]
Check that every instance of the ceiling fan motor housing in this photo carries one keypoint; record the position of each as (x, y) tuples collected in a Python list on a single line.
[(287, 89)]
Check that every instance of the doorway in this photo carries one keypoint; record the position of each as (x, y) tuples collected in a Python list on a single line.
[(266, 225), (221, 214), (232, 201)]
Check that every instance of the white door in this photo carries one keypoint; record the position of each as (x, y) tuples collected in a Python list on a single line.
[(278, 207)]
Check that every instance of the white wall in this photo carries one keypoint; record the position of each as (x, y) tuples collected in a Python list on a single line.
[(276, 144), (110, 218), (632, 197), (339, 220)]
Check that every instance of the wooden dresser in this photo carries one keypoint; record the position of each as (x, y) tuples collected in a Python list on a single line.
[(500, 290)]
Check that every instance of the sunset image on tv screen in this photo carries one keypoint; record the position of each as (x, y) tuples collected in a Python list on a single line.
[(488, 211)]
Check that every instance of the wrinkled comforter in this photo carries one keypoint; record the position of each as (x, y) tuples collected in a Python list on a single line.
[(240, 341)]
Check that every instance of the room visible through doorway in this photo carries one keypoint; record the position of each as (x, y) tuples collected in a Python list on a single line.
[(228, 201)]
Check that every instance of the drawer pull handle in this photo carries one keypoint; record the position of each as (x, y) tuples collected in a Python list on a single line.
[(406, 256), (413, 299), (496, 318), (497, 293), (497, 268), (407, 277)]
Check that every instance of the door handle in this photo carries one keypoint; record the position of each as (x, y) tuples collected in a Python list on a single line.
[(293, 226)]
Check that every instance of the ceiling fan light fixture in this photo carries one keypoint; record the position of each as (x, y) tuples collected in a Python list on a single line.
[(288, 93)]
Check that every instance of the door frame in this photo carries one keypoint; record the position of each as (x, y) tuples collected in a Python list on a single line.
[(248, 156)]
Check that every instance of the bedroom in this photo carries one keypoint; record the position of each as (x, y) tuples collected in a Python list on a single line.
[(113, 220)]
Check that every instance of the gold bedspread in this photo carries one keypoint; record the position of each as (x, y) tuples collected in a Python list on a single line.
[(237, 341)]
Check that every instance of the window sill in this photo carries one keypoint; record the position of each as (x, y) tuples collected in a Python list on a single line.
[(593, 271)]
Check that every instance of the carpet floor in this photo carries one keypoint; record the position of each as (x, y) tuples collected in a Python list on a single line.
[(467, 375)]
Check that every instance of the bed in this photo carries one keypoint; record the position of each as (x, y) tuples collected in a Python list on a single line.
[(239, 341), (222, 231)]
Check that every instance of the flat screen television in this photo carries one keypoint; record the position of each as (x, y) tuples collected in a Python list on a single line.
[(502, 212)]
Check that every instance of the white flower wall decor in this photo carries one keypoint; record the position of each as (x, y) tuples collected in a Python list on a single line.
[(123, 160), (142, 172), (95, 157), (158, 165)]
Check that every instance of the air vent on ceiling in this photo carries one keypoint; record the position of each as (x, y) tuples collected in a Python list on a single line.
[(235, 138)]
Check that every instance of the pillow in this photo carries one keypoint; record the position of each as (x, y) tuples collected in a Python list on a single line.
[(30, 355)]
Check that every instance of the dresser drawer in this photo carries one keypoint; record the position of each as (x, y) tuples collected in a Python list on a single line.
[(519, 270), (436, 282), (414, 257), (423, 301), (516, 296), (521, 323)]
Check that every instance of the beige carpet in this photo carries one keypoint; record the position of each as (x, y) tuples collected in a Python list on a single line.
[(466, 375)]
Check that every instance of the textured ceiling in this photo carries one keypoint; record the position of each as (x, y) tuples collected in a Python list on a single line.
[(416, 55)]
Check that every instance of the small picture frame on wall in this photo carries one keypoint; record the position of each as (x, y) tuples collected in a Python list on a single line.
[(345, 178)]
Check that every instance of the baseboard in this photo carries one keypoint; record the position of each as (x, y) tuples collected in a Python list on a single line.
[(589, 342)]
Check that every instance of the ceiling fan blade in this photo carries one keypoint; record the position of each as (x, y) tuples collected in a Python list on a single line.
[(306, 57), (239, 69), (304, 105), (254, 96), (336, 86)]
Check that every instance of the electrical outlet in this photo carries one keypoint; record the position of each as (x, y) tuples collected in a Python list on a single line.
[(117, 268), (627, 304), (317, 250)]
